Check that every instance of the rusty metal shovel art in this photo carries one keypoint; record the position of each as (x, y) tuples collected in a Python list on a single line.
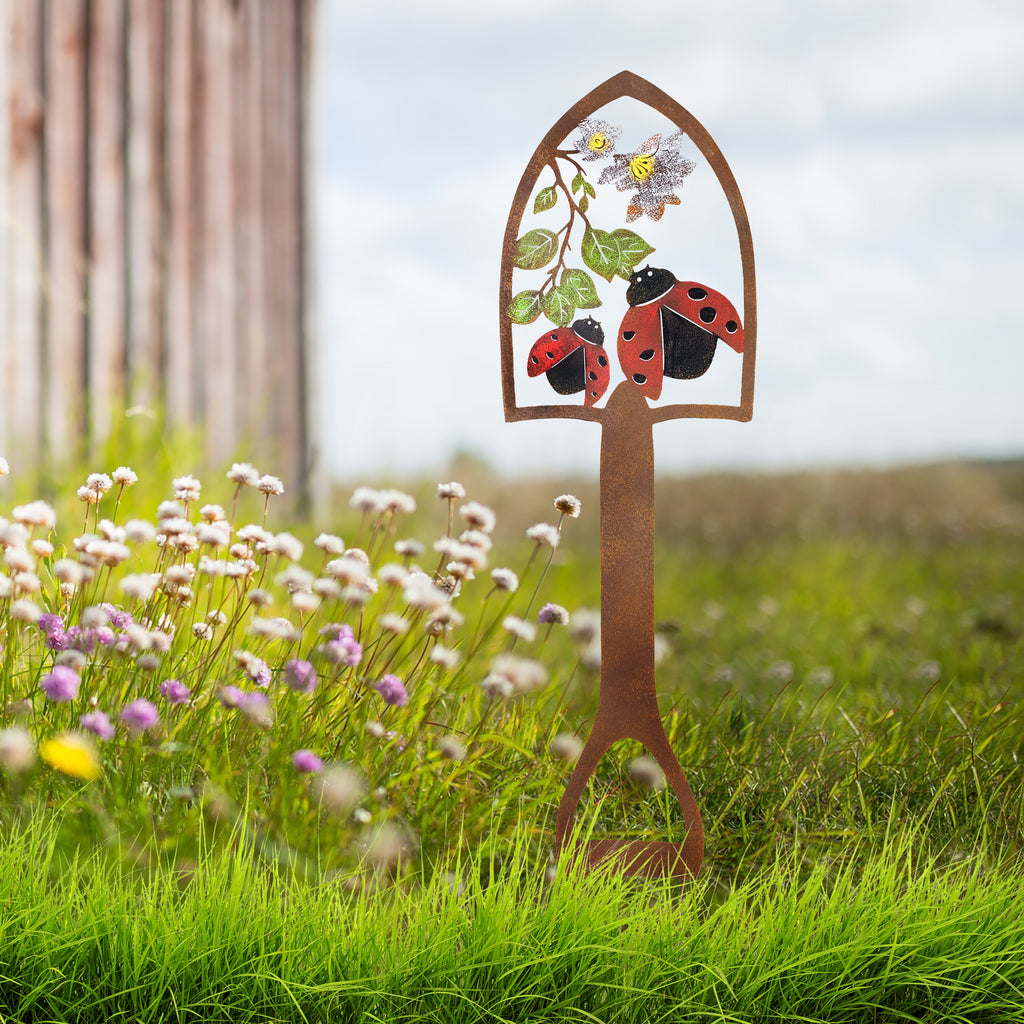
[(669, 334)]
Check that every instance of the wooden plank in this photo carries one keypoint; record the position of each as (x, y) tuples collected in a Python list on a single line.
[(144, 181), (64, 342), (179, 356), (282, 250), (6, 406), (215, 280), (23, 366), (252, 378), (313, 481), (107, 345)]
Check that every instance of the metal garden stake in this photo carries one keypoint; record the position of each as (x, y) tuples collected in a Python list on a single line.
[(669, 333)]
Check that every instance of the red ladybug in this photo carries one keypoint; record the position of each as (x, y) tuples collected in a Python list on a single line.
[(672, 328), (574, 359)]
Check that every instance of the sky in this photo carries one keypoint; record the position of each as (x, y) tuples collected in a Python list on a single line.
[(879, 150)]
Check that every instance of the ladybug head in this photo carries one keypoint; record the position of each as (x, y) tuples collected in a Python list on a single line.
[(589, 330), (648, 284)]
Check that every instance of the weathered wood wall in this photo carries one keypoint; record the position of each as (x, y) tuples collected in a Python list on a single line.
[(154, 243)]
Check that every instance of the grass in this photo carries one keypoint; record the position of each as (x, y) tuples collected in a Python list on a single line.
[(843, 656), (887, 938)]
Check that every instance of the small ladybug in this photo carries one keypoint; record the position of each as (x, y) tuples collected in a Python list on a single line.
[(574, 360), (672, 328)]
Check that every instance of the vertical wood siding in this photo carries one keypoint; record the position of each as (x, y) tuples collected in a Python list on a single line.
[(154, 232)]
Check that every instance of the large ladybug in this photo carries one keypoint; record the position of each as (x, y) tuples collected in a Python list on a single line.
[(574, 359), (672, 328)]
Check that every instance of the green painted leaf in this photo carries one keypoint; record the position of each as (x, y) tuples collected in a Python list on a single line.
[(579, 182), (632, 249), (537, 249), (578, 286), (589, 190), (545, 199), (601, 252), (524, 308), (584, 204), (557, 307)]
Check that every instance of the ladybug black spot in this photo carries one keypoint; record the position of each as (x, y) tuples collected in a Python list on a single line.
[(553, 336), (534, 359), (648, 353), (697, 294), (628, 335), (731, 326), (593, 394), (639, 378), (550, 355), (708, 314), (592, 375), (601, 361)]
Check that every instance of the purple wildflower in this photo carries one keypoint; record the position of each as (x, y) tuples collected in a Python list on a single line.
[(106, 636), (61, 684), (175, 692), (118, 618), (300, 676), (140, 715), (97, 723), (344, 649), (258, 671), (306, 761), (79, 639), (256, 707), (391, 689), (553, 614), (231, 696), (53, 627)]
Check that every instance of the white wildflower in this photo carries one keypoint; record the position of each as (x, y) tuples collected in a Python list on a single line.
[(36, 513), (202, 631), (214, 535), (186, 488), (392, 574), (269, 485), (392, 623), (397, 501), (329, 589), (525, 674), (338, 787), (419, 592), (17, 753), (5, 466), (444, 656), (27, 583), (585, 625), (505, 579), (647, 772), (348, 570), (111, 531), (451, 490), (478, 516), (19, 560), (566, 746), (569, 505), (408, 548), (544, 534), (98, 482), (138, 531), (288, 546), (68, 571), (477, 538), (25, 611), (329, 544), (519, 628), (451, 747), (243, 474), (141, 586), (366, 500), (304, 602), (124, 477)]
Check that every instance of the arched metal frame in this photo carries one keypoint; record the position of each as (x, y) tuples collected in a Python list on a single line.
[(628, 84)]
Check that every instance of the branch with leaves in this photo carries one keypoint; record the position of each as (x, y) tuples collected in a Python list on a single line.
[(609, 254)]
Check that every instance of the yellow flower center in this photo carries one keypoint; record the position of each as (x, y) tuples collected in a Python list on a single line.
[(642, 166), (598, 142)]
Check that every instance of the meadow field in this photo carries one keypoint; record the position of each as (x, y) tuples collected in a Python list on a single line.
[(259, 768)]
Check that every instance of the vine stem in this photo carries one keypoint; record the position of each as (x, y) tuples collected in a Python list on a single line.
[(574, 210)]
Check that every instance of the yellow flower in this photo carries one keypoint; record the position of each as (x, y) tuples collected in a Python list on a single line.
[(72, 754)]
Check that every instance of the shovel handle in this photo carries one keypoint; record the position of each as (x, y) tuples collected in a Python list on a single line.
[(627, 703)]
